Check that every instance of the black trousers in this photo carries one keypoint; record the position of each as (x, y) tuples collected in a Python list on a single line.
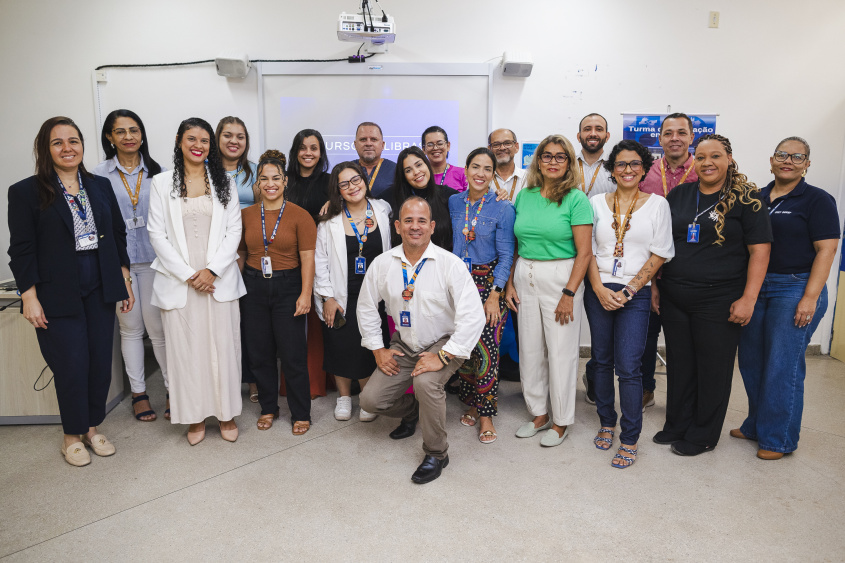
[(272, 331), (79, 351), (701, 349)]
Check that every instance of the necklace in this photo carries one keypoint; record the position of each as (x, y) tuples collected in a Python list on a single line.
[(621, 230)]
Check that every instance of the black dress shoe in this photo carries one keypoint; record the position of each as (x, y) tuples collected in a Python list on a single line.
[(404, 430), (665, 438), (682, 447), (429, 469)]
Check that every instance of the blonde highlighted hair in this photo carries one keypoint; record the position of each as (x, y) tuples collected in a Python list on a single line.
[(558, 188), (736, 187)]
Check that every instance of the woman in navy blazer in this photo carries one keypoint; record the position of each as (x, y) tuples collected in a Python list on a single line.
[(68, 257)]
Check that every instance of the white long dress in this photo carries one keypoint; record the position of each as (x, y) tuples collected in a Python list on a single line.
[(202, 338)]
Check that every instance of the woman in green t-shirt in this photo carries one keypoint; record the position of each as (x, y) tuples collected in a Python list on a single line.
[(554, 229)]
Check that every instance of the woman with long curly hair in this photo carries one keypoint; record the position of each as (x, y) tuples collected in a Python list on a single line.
[(195, 228), (554, 230), (722, 239)]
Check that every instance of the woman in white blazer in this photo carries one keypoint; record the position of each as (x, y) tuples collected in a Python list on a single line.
[(195, 228), (350, 235)]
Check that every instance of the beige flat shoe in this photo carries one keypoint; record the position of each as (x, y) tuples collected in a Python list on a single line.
[(76, 454), (100, 444), (195, 438)]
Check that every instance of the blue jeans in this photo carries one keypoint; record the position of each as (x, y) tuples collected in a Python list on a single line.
[(649, 361), (772, 363), (618, 340)]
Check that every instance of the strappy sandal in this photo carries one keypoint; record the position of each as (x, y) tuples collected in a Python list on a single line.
[(300, 427), (630, 460), (487, 434), (598, 440), (253, 397), (265, 421), (150, 412), (468, 420), (167, 410)]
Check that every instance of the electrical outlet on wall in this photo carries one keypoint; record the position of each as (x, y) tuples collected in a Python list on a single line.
[(713, 20), (102, 76)]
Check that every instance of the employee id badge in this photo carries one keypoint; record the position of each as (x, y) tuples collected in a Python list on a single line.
[(86, 240), (266, 267), (360, 265), (405, 319), (618, 268), (468, 263), (135, 223), (693, 232)]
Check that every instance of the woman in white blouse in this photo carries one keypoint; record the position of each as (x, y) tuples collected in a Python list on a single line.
[(632, 238), (354, 231)]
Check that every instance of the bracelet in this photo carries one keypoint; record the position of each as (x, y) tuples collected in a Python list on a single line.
[(568, 292), (129, 279), (212, 272), (443, 358)]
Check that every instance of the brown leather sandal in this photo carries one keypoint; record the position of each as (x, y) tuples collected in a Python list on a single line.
[(265, 421), (300, 427)]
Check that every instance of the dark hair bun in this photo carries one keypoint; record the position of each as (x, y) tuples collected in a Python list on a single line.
[(272, 155)]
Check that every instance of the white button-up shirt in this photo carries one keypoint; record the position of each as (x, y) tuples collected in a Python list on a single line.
[(445, 302), (507, 184), (603, 183)]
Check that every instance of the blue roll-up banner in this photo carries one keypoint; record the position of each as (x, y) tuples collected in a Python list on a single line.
[(645, 128), (528, 153)]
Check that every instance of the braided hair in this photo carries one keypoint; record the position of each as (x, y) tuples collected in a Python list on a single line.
[(214, 163), (277, 159), (736, 187)]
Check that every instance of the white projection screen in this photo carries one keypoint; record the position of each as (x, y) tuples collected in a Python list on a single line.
[(402, 104)]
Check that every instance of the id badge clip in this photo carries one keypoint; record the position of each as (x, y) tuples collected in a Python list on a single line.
[(405, 319), (468, 263), (266, 267), (86, 240), (693, 232), (135, 223), (618, 268), (360, 265)]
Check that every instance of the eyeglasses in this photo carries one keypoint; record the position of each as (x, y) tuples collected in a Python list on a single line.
[(560, 157), (797, 158), (135, 131), (354, 180), (620, 166), (503, 145), (437, 145)]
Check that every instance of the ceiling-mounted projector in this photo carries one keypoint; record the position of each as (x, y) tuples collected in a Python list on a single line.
[(363, 27)]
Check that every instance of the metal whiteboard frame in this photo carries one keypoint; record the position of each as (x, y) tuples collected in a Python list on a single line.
[(371, 69)]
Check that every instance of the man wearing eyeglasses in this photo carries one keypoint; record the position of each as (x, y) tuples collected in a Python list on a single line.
[(674, 168), (369, 144), (508, 176), (593, 134)]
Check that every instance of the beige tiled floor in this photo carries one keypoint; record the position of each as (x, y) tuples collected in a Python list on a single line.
[(343, 492)]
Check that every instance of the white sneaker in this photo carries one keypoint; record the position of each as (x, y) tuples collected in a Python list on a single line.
[(343, 410), (367, 416)]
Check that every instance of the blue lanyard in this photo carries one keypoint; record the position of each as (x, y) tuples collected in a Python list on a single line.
[(264, 227), (409, 286), (697, 198), (77, 205), (443, 178), (361, 238)]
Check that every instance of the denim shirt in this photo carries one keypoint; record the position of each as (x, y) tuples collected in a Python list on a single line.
[(137, 240), (494, 238)]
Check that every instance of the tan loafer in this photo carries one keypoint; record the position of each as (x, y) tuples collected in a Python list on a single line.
[(769, 455), (76, 454), (737, 433), (100, 444)]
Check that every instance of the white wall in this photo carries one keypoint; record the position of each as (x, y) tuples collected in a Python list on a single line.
[(771, 70)]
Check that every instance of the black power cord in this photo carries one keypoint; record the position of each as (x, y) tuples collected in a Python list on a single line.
[(348, 59)]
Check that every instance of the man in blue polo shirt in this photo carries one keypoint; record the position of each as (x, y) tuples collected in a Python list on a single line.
[(369, 144)]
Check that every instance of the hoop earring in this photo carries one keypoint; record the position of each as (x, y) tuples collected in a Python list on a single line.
[(770, 170), (804, 173)]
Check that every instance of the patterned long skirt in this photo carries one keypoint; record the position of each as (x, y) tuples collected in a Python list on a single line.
[(479, 375)]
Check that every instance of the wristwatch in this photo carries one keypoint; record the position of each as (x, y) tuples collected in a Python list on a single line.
[(568, 292), (628, 292), (444, 359), (212, 272), (496, 288)]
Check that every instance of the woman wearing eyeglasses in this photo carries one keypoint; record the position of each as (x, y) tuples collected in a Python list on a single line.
[(436, 144), (553, 229), (130, 169), (722, 240), (353, 232), (792, 302), (632, 238)]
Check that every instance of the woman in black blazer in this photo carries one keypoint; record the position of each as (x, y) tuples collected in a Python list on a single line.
[(69, 260)]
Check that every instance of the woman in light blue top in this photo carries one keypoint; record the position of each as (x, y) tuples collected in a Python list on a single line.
[(130, 169), (233, 142), (482, 236)]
